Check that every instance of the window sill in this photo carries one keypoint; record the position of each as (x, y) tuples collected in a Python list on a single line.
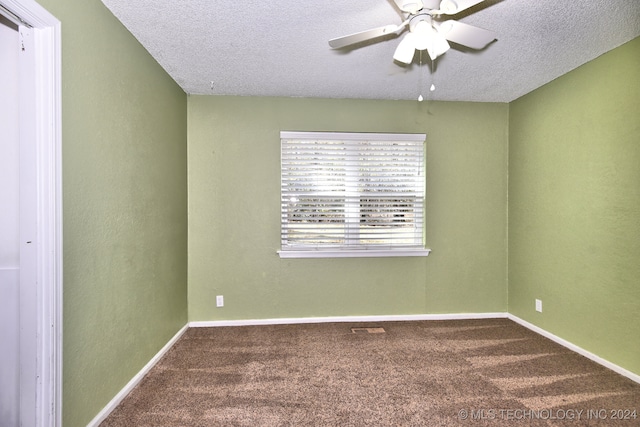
[(355, 253)]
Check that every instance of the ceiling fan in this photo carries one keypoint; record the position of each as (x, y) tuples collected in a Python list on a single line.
[(427, 29)]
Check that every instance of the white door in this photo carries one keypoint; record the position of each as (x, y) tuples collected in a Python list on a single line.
[(30, 216), (18, 255), (9, 225), (28, 240)]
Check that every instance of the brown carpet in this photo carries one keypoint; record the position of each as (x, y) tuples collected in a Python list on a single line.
[(423, 373)]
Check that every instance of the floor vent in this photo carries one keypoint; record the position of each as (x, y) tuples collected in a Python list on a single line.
[(367, 330)]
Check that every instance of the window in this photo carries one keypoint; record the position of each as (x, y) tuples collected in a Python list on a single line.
[(352, 194)]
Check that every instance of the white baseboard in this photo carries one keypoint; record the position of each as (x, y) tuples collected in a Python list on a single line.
[(102, 415), (346, 319), (620, 370)]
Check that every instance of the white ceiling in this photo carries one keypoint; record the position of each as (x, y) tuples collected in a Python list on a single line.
[(279, 47)]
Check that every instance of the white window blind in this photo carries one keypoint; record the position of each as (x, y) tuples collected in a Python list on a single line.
[(352, 191)]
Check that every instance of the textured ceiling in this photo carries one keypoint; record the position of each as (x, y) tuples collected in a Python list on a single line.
[(279, 47)]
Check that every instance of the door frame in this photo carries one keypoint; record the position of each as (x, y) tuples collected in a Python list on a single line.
[(42, 123)]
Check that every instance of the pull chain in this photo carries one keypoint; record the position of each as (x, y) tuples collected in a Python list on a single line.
[(433, 72), (420, 98)]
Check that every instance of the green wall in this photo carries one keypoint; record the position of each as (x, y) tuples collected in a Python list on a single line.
[(125, 206), (574, 206), (234, 202)]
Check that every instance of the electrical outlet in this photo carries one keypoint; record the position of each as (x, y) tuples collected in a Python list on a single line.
[(539, 306), (219, 301)]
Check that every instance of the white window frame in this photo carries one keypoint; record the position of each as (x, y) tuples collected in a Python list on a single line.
[(311, 251)]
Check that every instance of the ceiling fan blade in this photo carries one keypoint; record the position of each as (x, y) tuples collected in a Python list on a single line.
[(362, 36), (451, 7), (466, 35), (409, 6)]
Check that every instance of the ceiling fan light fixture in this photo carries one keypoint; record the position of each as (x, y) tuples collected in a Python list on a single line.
[(411, 6), (406, 49), (438, 46), (449, 7), (445, 27), (429, 39), (424, 32)]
